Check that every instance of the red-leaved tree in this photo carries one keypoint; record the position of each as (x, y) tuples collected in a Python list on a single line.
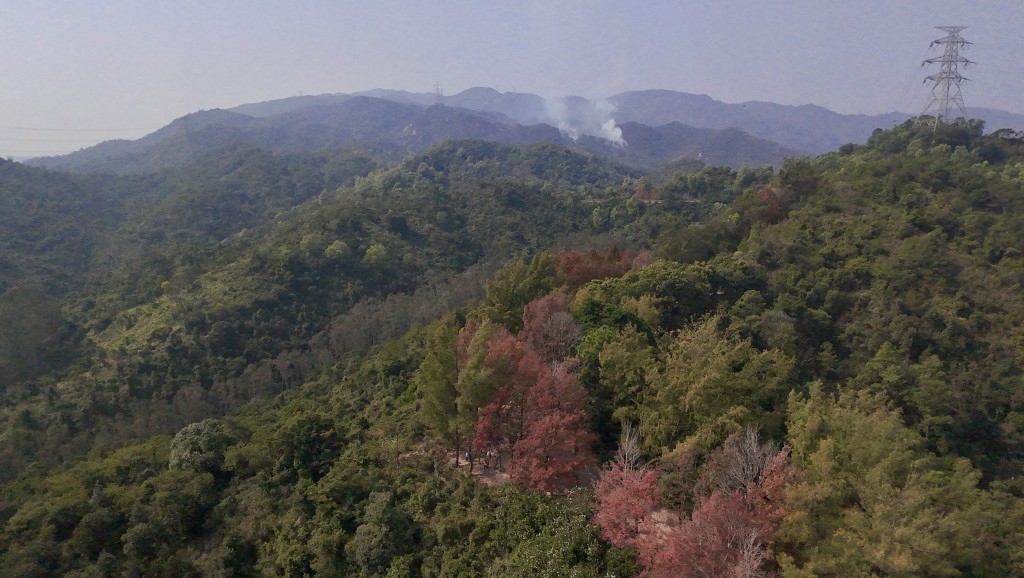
[(556, 440), (577, 268), (501, 422), (739, 506), (626, 493), (723, 537)]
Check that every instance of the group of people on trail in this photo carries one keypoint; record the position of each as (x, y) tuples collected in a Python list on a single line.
[(492, 459)]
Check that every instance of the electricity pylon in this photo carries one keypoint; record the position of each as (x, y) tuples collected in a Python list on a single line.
[(946, 88)]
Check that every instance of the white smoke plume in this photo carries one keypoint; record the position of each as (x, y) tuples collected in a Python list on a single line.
[(576, 117)]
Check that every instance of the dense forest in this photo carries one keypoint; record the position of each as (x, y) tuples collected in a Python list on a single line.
[(518, 360)]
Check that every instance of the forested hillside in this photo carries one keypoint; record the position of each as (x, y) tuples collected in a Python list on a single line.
[(525, 361), (60, 230), (193, 328), (62, 234)]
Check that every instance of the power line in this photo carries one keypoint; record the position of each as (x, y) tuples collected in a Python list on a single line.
[(53, 129), (46, 139), (913, 93), (16, 153), (28, 140)]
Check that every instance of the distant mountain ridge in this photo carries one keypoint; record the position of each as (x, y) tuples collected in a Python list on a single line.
[(307, 124), (808, 129), (640, 127), (353, 122)]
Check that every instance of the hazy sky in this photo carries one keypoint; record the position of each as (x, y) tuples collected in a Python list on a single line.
[(78, 72)]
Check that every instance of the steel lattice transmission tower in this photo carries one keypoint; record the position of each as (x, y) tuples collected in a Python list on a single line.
[(438, 94), (946, 88)]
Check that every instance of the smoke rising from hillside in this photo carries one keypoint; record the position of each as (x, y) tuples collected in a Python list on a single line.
[(576, 117)]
